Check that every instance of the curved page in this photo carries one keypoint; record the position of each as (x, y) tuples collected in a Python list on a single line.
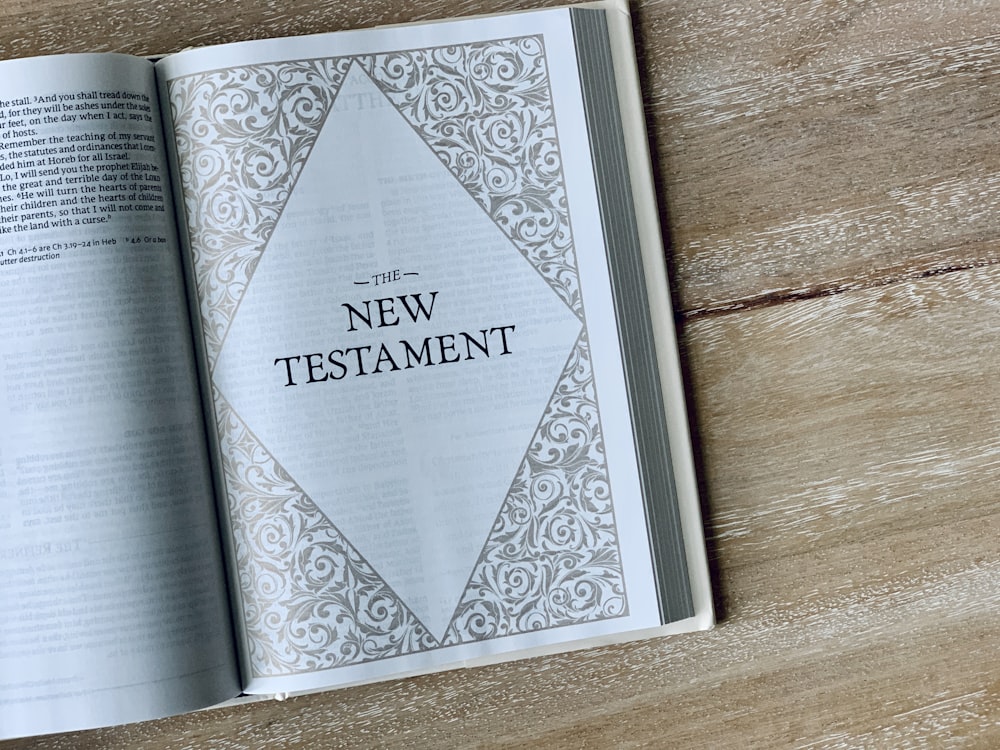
[(113, 603)]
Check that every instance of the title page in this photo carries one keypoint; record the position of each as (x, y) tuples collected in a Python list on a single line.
[(415, 366)]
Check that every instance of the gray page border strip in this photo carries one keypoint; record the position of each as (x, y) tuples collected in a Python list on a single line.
[(621, 235)]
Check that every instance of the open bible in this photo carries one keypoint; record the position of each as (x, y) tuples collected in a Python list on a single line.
[(332, 359)]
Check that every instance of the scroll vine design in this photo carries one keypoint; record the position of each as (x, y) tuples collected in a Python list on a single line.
[(243, 136), (552, 556), (310, 600), (486, 111)]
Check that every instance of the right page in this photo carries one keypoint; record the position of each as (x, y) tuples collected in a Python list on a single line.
[(407, 250)]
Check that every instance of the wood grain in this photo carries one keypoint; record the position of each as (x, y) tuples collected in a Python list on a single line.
[(831, 186), (806, 148), (879, 407), (807, 183)]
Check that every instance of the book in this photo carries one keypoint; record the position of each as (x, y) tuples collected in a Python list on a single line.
[(330, 360)]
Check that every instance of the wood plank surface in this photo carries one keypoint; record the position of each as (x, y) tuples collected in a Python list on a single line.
[(830, 178)]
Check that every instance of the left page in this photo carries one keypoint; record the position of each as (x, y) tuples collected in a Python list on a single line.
[(113, 598)]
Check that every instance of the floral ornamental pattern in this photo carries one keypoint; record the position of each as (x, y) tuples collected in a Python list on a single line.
[(243, 136), (486, 111), (552, 557), (311, 601)]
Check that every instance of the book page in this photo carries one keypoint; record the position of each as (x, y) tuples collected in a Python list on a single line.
[(114, 605), (414, 358)]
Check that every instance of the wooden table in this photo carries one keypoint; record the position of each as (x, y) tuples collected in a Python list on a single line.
[(830, 179)]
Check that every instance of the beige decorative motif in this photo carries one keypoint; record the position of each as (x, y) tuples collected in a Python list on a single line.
[(552, 556), (311, 601), (486, 112), (243, 136)]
